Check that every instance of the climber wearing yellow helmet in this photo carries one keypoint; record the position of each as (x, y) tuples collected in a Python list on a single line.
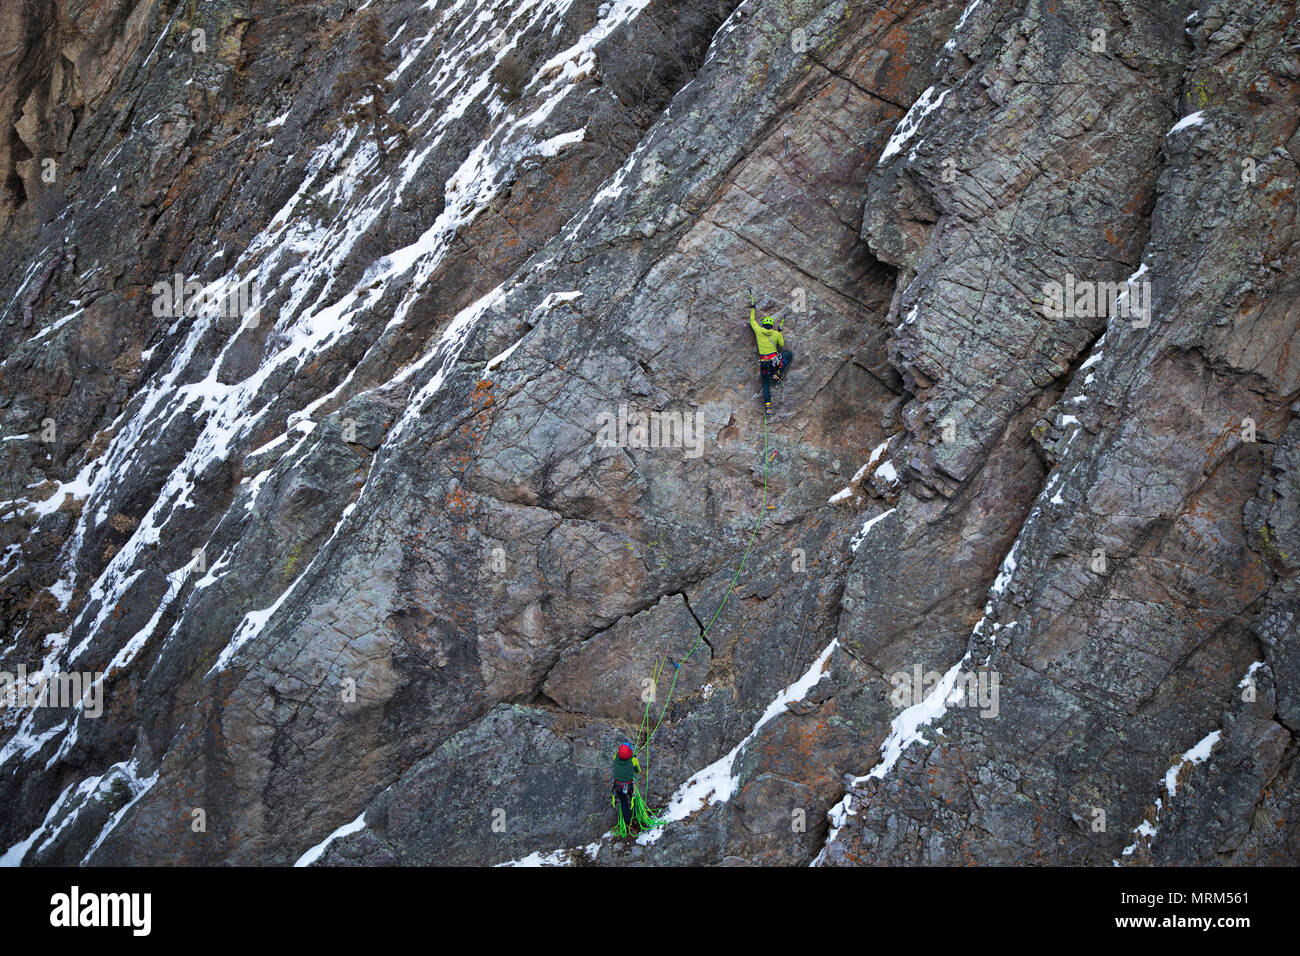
[(773, 357)]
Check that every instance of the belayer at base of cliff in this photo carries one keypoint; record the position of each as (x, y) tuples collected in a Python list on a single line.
[(626, 770), (627, 799), (773, 357)]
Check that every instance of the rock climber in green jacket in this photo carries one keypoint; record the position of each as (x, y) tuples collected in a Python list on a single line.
[(626, 770), (773, 357)]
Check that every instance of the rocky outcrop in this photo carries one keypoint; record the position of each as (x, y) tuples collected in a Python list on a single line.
[(1123, 614), (473, 482), (60, 63)]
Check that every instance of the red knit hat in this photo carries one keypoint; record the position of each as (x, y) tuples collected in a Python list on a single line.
[(624, 752)]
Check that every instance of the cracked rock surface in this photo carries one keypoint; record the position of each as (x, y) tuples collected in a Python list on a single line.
[(1019, 584)]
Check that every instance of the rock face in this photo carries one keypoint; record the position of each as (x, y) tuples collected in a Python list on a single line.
[(381, 492), (605, 676), (59, 62)]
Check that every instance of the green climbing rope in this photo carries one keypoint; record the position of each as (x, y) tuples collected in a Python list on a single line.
[(642, 816), (753, 536)]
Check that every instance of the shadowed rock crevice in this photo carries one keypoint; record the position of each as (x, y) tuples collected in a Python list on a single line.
[(360, 553)]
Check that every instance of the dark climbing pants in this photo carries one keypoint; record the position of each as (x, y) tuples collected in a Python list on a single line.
[(770, 368), (624, 794)]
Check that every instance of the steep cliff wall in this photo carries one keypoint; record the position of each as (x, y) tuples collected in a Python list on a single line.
[(356, 556)]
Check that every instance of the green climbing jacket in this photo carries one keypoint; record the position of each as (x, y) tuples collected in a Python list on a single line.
[(626, 771), (769, 340)]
